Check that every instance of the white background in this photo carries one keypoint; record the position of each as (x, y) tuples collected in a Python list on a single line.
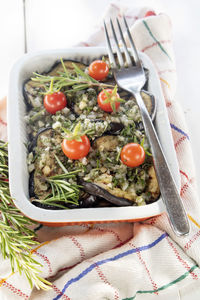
[(63, 23)]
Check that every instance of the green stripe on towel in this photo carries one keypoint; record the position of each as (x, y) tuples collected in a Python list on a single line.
[(158, 43), (164, 286)]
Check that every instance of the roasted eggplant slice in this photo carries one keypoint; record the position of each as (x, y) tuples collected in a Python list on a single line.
[(148, 99), (31, 88), (46, 133), (153, 186), (106, 143), (130, 194), (45, 163), (96, 190), (150, 103), (105, 182)]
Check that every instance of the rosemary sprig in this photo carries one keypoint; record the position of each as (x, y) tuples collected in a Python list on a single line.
[(16, 238), (73, 82), (62, 191)]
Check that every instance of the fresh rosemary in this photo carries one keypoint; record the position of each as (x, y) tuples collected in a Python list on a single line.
[(62, 191), (77, 81), (16, 238)]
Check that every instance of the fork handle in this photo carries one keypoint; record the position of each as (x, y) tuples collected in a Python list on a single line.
[(168, 189)]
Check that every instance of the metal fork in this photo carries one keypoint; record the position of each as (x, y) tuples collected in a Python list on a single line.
[(131, 77)]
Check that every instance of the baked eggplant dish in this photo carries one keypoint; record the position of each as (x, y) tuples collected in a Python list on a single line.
[(86, 142)]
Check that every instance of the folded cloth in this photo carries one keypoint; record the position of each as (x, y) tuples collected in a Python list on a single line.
[(124, 260)]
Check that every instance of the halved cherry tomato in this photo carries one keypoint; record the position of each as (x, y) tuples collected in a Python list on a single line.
[(98, 69), (150, 13), (54, 102), (132, 155), (106, 100), (74, 149)]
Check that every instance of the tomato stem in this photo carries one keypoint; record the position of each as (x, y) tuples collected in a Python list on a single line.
[(51, 87), (76, 134), (109, 99)]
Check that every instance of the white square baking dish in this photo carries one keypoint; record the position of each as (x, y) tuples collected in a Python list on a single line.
[(18, 172)]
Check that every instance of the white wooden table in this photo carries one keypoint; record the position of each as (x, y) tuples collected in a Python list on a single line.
[(63, 23)]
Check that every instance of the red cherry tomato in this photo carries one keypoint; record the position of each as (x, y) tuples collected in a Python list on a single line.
[(107, 106), (74, 149), (98, 69), (150, 13), (132, 155), (54, 102)]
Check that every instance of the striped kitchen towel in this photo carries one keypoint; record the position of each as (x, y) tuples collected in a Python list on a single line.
[(127, 260)]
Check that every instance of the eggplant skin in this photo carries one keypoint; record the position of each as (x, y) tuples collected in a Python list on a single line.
[(115, 128), (44, 206), (139, 126), (88, 201), (31, 185), (33, 143), (52, 207), (96, 190)]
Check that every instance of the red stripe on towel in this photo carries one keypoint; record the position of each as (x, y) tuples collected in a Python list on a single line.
[(182, 261), (183, 138), (45, 258), (104, 279), (59, 292), (186, 186), (78, 245), (183, 173), (192, 240), (155, 44), (14, 290), (154, 285)]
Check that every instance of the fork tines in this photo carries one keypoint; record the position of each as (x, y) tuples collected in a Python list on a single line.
[(121, 60)]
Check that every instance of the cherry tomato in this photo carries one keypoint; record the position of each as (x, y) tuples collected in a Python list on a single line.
[(98, 69), (54, 102), (132, 155), (74, 149), (113, 99), (150, 13), (5, 179)]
